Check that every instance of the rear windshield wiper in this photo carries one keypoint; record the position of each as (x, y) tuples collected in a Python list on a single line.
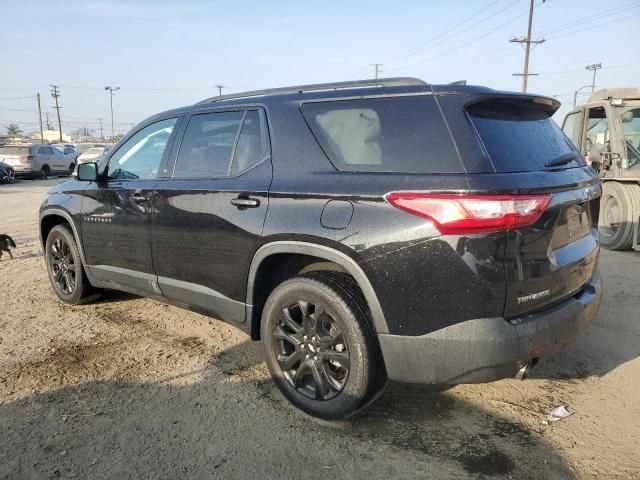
[(562, 160)]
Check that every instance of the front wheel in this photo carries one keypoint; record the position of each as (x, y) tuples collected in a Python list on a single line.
[(320, 346), (9, 176), (619, 210), (65, 269)]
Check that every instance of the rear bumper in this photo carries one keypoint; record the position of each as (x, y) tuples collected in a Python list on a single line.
[(488, 349)]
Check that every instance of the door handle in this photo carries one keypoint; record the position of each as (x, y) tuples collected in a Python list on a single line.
[(138, 198), (243, 203)]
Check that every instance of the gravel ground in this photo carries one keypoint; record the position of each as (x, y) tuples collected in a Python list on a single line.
[(132, 388)]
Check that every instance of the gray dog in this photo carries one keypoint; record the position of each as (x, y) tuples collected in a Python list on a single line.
[(6, 244)]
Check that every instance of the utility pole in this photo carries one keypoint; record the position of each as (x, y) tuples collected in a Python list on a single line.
[(55, 93), (594, 67), (526, 42), (101, 134), (112, 91), (40, 118), (376, 69), (219, 87), (46, 116)]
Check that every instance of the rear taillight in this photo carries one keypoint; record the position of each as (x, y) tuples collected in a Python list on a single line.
[(26, 158), (460, 214)]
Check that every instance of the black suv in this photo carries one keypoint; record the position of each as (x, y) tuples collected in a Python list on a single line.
[(365, 231)]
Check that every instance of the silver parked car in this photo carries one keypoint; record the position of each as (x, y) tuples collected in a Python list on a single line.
[(92, 154), (36, 160)]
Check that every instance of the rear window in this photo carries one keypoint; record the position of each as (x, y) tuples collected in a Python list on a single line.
[(14, 150), (520, 138), (397, 134)]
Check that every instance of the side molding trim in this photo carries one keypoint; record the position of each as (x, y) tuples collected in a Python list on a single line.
[(326, 253)]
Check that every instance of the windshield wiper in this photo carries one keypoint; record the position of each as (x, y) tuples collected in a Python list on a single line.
[(562, 160)]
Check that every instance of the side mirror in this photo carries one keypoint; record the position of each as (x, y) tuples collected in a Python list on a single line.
[(88, 171), (627, 116)]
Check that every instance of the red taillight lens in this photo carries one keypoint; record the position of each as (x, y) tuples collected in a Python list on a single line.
[(459, 214), (25, 158)]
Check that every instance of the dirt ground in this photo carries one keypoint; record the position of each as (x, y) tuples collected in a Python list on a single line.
[(132, 388)]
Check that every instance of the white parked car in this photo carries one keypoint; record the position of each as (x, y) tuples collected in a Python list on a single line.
[(92, 154)]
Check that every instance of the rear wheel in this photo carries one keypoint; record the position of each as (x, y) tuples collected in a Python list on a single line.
[(45, 172), (619, 210), (72, 167), (319, 344), (65, 269)]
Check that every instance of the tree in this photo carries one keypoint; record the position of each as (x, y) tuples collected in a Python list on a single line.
[(13, 130)]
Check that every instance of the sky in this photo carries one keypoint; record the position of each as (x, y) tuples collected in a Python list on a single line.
[(165, 54)]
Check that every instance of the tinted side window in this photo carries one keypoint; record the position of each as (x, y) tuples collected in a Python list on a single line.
[(43, 151), (572, 127), (141, 155), (399, 134), (207, 145), (252, 147)]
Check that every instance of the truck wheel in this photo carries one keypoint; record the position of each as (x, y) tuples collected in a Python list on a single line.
[(320, 346), (619, 210)]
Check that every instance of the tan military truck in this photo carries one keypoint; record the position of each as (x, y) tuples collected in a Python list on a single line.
[(607, 132)]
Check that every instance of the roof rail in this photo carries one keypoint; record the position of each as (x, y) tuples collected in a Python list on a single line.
[(380, 82)]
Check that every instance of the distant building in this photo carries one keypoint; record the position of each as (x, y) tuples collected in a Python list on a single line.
[(51, 136)]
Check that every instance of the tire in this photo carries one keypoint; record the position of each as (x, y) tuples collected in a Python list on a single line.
[(619, 210), (65, 269), (44, 172), (72, 167), (329, 369)]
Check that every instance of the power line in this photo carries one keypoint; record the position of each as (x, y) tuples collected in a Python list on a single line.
[(594, 26), (590, 18), (419, 48), (30, 97), (473, 40)]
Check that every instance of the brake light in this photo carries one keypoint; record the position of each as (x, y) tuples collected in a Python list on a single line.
[(26, 158), (459, 214)]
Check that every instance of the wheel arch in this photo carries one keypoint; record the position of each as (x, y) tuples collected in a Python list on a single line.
[(324, 253), (51, 217)]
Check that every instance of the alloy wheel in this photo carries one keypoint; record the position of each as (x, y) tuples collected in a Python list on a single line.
[(311, 350), (64, 269)]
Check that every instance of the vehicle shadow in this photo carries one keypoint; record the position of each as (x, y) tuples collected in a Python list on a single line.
[(612, 338), (222, 421)]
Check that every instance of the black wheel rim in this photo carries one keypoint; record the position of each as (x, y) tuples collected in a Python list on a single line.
[(11, 176), (311, 350), (610, 216), (63, 266)]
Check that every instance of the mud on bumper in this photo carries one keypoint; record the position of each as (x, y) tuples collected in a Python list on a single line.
[(488, 349)]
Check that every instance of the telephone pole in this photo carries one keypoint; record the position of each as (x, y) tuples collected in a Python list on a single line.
[(219, 87), (112, 91), (55, 93), (594, 67), (101, 134), (527, 42), (40, 118), (46, 116), (376, 69)]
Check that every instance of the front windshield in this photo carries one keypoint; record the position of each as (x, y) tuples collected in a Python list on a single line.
[(631, 131)]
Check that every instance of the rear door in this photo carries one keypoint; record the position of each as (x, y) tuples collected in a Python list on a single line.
[(554, 258), (208, 215)]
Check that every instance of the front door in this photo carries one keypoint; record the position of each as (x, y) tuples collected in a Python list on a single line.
[(209, 214), (116, 212)]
